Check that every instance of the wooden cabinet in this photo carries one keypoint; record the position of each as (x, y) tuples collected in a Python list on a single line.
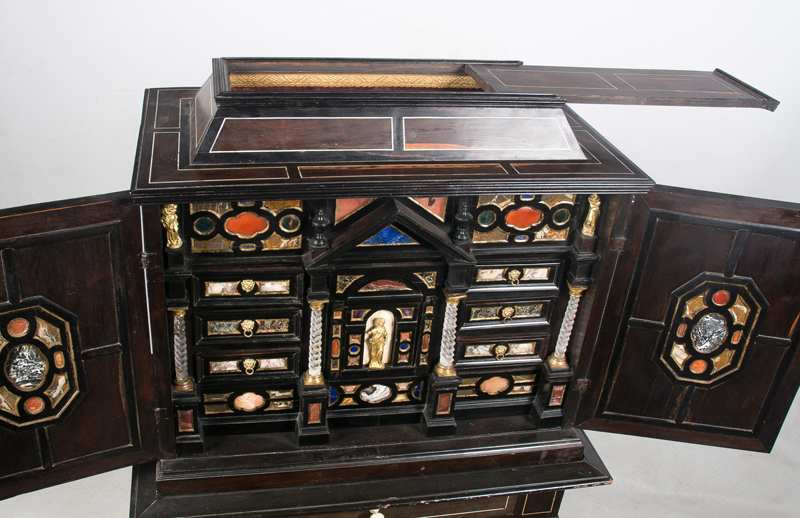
[(373, 284)]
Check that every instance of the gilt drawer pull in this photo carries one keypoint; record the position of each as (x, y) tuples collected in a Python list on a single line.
[(247, 328), (513, 276)]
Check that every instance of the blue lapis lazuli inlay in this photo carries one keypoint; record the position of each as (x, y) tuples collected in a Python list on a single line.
[(354, 349), (334, 395), (404, 347), (417, 391), (389, 236)]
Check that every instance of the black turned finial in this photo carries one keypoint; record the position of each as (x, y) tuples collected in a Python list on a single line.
[(462, 219), (320, 224)]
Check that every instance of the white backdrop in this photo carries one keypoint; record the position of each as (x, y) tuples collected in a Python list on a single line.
[(72, 76)]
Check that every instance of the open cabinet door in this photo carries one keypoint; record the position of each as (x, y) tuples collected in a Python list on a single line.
[(695, 321), (76, 387)]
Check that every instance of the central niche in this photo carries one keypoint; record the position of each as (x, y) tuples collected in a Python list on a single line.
[(378, 340)]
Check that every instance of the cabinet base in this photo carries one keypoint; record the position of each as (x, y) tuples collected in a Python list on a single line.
[(365, 469)]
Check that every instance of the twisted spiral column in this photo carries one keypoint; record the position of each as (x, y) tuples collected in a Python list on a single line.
[(448, 348), (183, 382), (558, 360), (313, 375)]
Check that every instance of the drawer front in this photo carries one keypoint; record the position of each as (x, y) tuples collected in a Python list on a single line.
[(250, 365), (500, 350), (226, 288), (247, 328), (488, 386), (377, 393), (508, 312), (249, 399), (541, 504), (522, 275)]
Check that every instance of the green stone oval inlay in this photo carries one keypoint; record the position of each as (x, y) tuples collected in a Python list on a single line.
[(486, 218), (561, 216), (203, 226), (290, 223)]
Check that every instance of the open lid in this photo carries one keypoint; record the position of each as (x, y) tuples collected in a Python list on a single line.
[(622, 86)]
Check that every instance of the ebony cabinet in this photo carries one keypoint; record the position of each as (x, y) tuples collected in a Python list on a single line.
[(345, 285)]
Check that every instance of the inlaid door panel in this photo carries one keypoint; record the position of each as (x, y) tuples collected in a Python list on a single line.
[(76, 388), (696, 336)]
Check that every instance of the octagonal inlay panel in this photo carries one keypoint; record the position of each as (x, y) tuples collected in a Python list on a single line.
[(709, 325), (39, 378)]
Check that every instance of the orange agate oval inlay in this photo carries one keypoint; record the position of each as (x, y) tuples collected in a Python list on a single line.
[(698, 366), (494, 385), (246, 225), (248, 402), (523, 218), (721, 297), (34, 405), (18, 327)]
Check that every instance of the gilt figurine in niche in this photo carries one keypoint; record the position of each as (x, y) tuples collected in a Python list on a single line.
[(376, 338)]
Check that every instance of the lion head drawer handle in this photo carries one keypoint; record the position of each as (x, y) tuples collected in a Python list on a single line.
[(513, 276), (508, 314), (248, 285), (249, 366), (247, 328), (500, 352)]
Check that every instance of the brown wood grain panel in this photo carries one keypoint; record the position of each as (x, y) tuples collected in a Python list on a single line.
[(679, 252), (304, 134), (164, 166), (738, 403), (20, 452), (390, 171), (59, 270), (767, 259), (168, 107), (490, 133), (623, 86), (640, 387), (100, 421)]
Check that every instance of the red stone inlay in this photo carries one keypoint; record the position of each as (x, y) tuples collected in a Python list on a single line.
[(385, 285), (335, 347), (437, 208), (736, 337), (18, 327), (314, 413), (347, 206), (698, 366), (246, 225), (721, 298), (523, 218), (681, 330), (557, 395), (444, 404), (185, 421), (58, 359), (426, 342), (34, 405), (405, 336)]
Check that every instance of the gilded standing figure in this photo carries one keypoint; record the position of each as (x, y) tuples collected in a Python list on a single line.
[(377, 342)]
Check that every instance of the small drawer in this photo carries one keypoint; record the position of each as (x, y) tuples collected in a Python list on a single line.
[(482, 313), (248, 400), (247, 288), (245, 366), (497, 349), (247, 327), (377, 393), (495, 385), (513, 275)]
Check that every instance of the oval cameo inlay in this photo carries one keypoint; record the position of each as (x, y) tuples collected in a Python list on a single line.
[(248, 402), (494, 386), (34, 405)]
